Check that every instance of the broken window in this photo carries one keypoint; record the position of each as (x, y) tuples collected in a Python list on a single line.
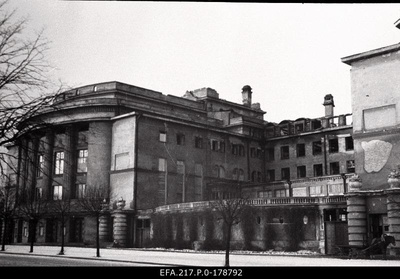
[(334, 168), (333, 145), (301, 150), (317, 147), (285, 152), (301, 171)]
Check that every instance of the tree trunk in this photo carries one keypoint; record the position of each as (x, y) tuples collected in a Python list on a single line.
[(62, 235), (33, 234), (228, 244), (4, 235), (98, 236)]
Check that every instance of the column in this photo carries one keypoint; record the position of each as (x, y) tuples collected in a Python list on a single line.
[(69, 162), (48, 163), (393, 209), (357, 219), (120, 224), (104, 228)]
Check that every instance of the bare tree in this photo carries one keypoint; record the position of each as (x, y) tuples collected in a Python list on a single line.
[(229, 205), (7, 211), (25, 86), (32, 207), (96, 203), (62, 209)]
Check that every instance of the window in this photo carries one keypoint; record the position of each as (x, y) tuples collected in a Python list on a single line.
[(59, 163), (349, 143), (163, 136), (39, 193), (333, 145), (82, 160), (334, 168), (284, 152), (285, 173), (222, 146), (214, 145), (180, 139), (221, 172), (40, 166), (271, 175), (57, 192), (162, 164), (301, 171), (350, 166), (280, 193), (241, 150), (317, 147), (264, 194), (198, 142), (81, 191), (301, 150), (252, 152), (299, 127), (270, 154), (238, 149), (318, 170)]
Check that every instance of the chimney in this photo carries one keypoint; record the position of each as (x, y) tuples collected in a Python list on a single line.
[(246, 95), (329, 105)]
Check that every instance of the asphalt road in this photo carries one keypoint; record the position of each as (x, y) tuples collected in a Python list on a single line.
[(35, 261)]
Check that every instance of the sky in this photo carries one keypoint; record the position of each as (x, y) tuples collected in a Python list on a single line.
[(290, 54)]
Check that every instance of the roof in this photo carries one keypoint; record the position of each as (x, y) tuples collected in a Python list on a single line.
[(371, 53)]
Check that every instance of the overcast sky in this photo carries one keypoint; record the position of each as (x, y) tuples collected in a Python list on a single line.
[(288, 53)]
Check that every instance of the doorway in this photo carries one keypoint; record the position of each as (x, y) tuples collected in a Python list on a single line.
[(336, 229)]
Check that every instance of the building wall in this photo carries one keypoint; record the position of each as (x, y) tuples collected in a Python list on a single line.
[(375, 84)]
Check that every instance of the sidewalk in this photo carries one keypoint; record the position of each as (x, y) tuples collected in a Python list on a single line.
[(159, 258), (106, 254)]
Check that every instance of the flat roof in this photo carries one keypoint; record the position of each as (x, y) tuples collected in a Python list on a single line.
[(371, 53)]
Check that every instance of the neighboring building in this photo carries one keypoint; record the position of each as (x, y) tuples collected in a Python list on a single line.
[(167, 156), (375, 85)]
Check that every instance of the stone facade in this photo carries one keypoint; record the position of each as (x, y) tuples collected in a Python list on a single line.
[(164, 157)]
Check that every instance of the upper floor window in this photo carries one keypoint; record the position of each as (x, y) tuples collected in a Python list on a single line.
[(271, 175), (238, 149), (40, 166), (333, 145), (57, 192), (163, 136), (198, 142), (349, 143), (81, 191), (270, 154), (334, 168), (59, 162), (301, 171), (285, 174), (351, 168), (180, 139), (318, 170), (317, 147), (285, 152), (82, 160), (301, 150), (162, 164)]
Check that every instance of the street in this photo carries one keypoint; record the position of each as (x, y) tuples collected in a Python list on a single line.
[(34, 260), (17, 255)]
